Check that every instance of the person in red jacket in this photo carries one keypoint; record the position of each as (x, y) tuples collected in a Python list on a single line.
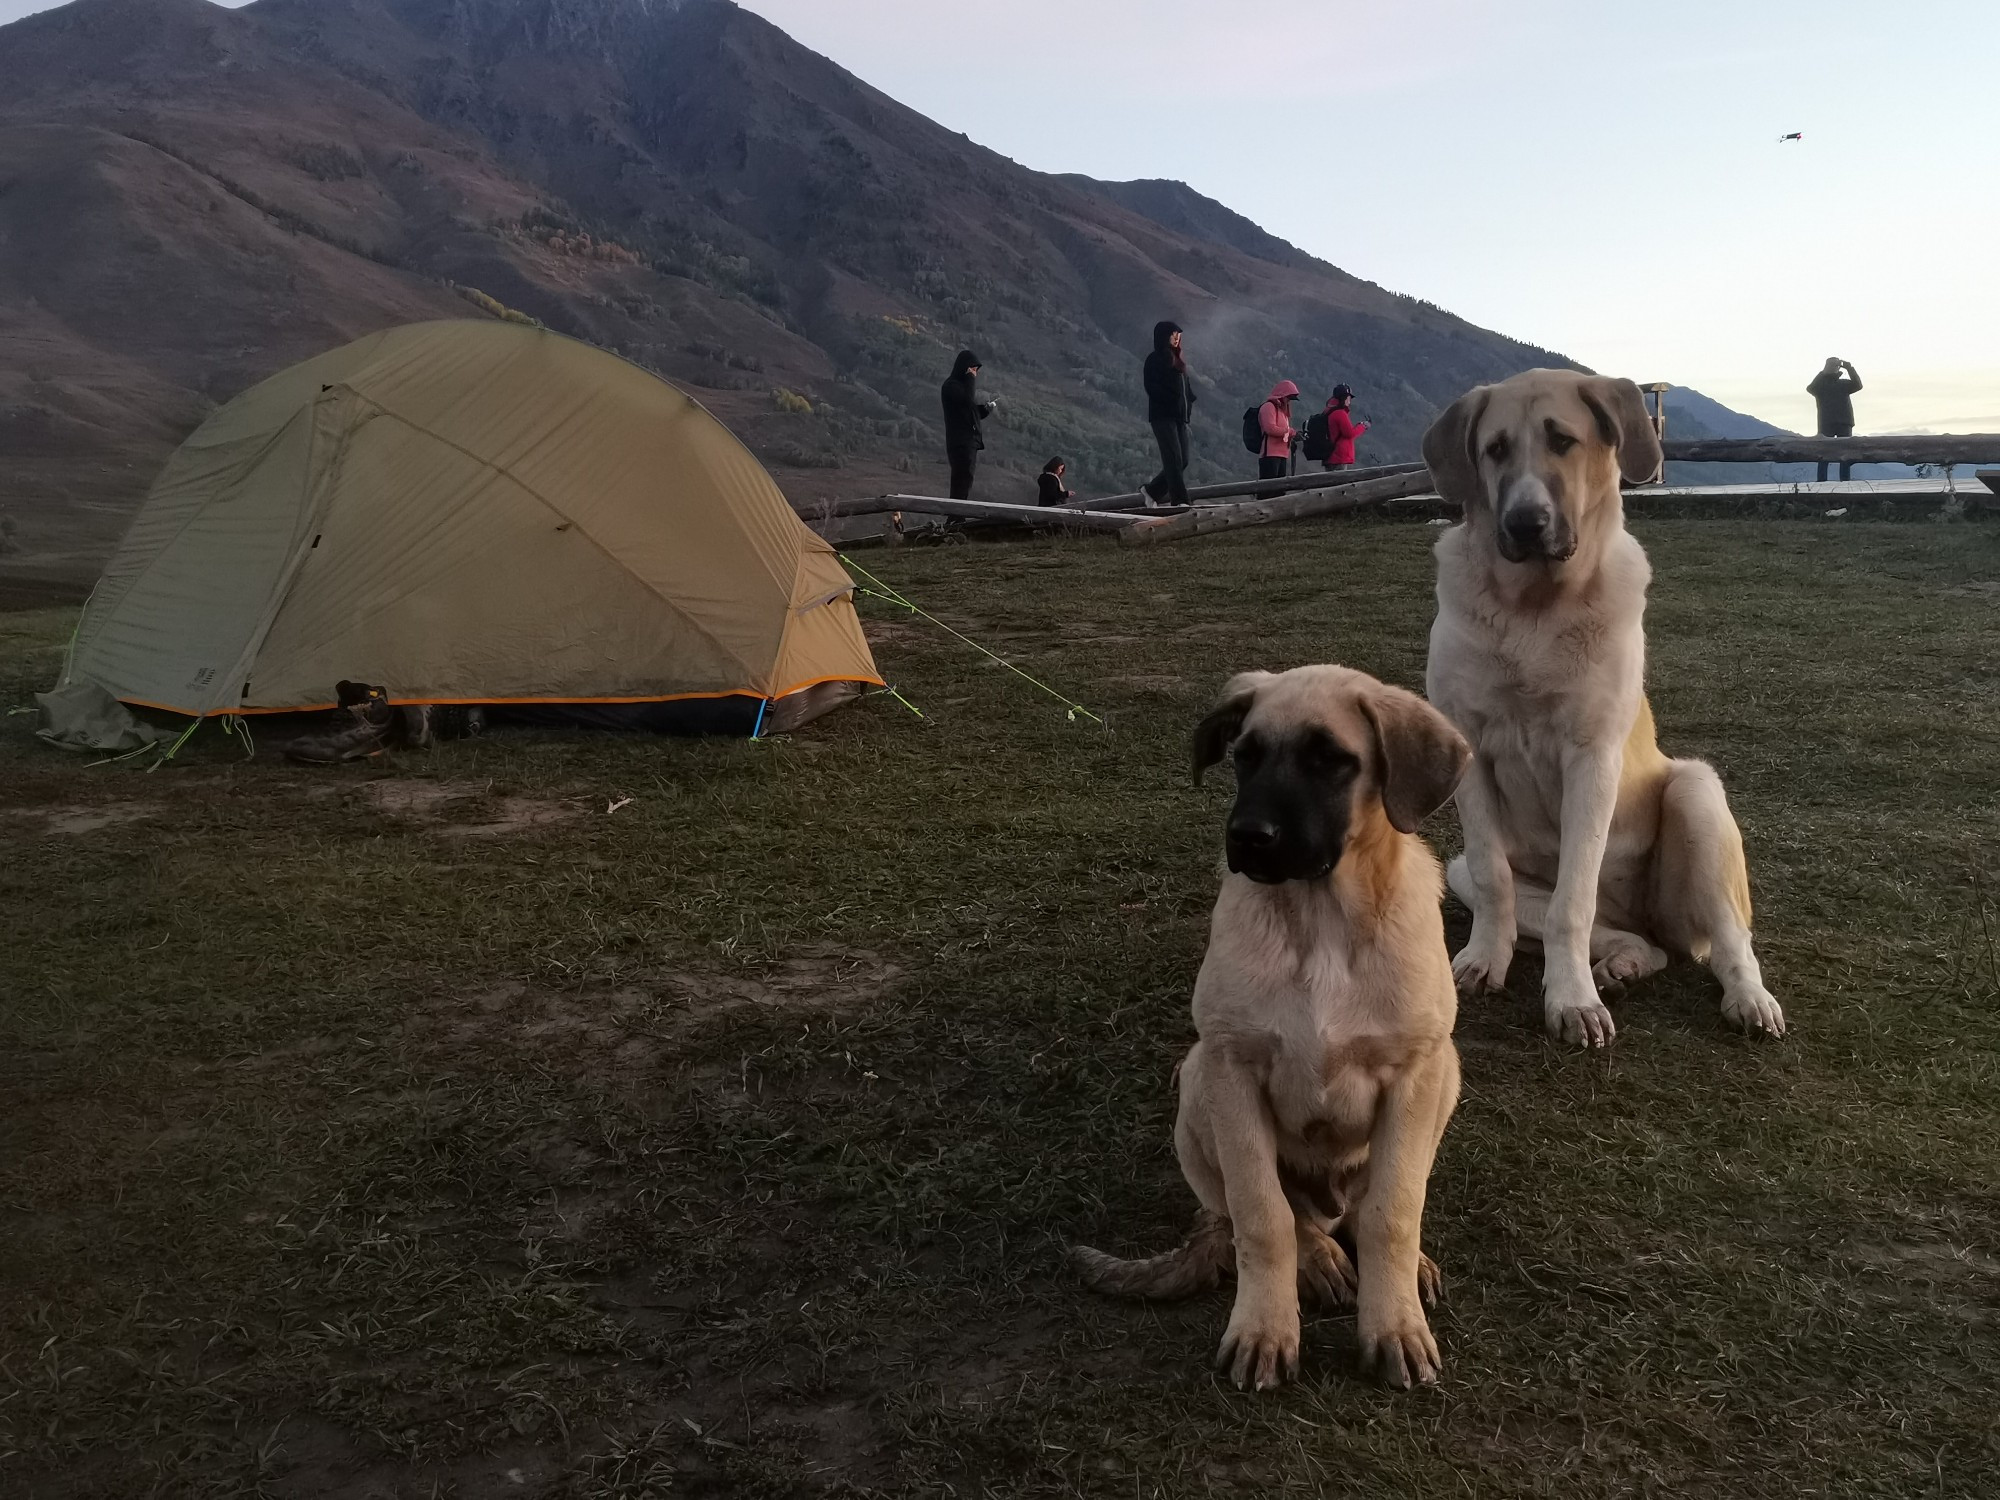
[(1341, 428)]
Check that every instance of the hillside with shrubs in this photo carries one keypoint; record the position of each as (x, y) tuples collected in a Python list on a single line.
[(193, 197)]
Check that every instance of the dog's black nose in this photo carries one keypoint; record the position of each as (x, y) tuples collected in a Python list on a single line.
[(1249, 833), (1525, 522)]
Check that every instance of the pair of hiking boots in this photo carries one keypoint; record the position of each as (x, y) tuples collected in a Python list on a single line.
[(367, 723)]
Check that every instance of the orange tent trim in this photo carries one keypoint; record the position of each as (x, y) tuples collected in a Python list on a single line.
[(320, 708)]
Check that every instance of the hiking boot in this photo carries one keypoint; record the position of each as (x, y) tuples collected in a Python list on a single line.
[(360, 728)]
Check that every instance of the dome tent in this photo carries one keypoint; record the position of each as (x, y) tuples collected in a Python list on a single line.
[(473, 512)]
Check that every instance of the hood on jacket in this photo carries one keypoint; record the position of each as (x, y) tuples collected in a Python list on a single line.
[(1162, 331), (1281, 390), (962, 366)]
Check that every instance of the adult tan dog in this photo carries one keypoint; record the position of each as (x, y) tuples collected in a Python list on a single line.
[(1578, 831), (1313, 1102)]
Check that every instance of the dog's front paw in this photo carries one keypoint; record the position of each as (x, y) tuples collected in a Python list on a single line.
[(1260, 1352), (1574, 1014), (1399, 1349), (1752, 1008), (1326, 1275), (1482, 965)]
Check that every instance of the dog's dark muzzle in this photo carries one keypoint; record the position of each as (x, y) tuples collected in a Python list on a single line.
[(1259, 848), (1535, 529)]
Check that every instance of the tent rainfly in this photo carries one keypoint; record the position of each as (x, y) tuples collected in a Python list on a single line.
[(473, 512)]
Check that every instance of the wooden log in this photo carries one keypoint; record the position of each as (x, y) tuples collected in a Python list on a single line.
[(1969, 448), (1326, 501), (1053, 517), (834, 510), (938, 505), (1291, 483)]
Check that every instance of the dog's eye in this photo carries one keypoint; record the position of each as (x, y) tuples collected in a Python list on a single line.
[(1497, 450), (1320, 753), (1560, 443), (1246, 752)]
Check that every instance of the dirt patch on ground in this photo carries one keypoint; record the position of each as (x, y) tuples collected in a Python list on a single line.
[(433, 803), (896, 632), (1153, 684), (516, 815), (72, 822), (420, 800), (628, 1034)]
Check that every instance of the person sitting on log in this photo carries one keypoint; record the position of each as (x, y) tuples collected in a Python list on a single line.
[(1050, 484)]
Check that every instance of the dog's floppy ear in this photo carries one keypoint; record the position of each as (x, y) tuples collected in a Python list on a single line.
[(1625, 425), (1213, 734), (1423, 757), (1451, 449)]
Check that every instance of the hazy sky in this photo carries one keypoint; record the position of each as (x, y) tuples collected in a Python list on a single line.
[(1603, 179)]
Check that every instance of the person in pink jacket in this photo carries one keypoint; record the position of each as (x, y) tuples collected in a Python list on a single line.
[(1274, 420), (1341, 428)]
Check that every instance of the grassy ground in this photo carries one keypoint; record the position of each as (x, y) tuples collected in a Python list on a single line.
[(421, 1128)]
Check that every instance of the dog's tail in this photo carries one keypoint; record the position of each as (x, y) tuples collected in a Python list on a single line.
[(1208, 1255)]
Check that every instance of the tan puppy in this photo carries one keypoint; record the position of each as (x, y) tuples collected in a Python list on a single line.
[(1578, 831), (1324, 1074)]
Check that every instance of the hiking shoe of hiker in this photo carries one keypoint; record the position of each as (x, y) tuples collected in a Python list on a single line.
[(361, 727)]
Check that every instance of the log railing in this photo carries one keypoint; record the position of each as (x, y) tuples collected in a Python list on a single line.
[(1958, 448)]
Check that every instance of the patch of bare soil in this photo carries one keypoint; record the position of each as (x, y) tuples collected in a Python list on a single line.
[(416, 800), (72, 822), (626, 1035), (1156, 683), (516, 815), (399, 798), (896, 632)]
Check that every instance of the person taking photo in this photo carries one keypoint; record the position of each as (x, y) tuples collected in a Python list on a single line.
[(963, 412)]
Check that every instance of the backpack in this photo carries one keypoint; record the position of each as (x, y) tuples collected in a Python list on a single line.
[(1319, 442), (1253, 428)]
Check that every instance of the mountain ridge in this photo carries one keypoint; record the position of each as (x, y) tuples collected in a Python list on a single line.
[(676, 180)]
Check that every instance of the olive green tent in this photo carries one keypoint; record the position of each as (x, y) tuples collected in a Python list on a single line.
[(471, 512)]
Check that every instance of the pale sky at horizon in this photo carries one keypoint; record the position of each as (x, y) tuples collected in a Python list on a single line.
[(1605, 181)]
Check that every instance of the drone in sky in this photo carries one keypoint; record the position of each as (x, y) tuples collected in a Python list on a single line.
[(1796, 135)]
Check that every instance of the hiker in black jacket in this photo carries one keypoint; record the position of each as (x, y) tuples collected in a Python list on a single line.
[(1169, 408), (962, 414)]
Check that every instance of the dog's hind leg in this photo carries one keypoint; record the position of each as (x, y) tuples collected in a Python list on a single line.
[(1326, 1274), (1617, 957), (1701, 892), (1340, 1232)]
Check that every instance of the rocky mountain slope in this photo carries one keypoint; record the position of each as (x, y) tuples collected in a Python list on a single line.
[(192, 197)]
